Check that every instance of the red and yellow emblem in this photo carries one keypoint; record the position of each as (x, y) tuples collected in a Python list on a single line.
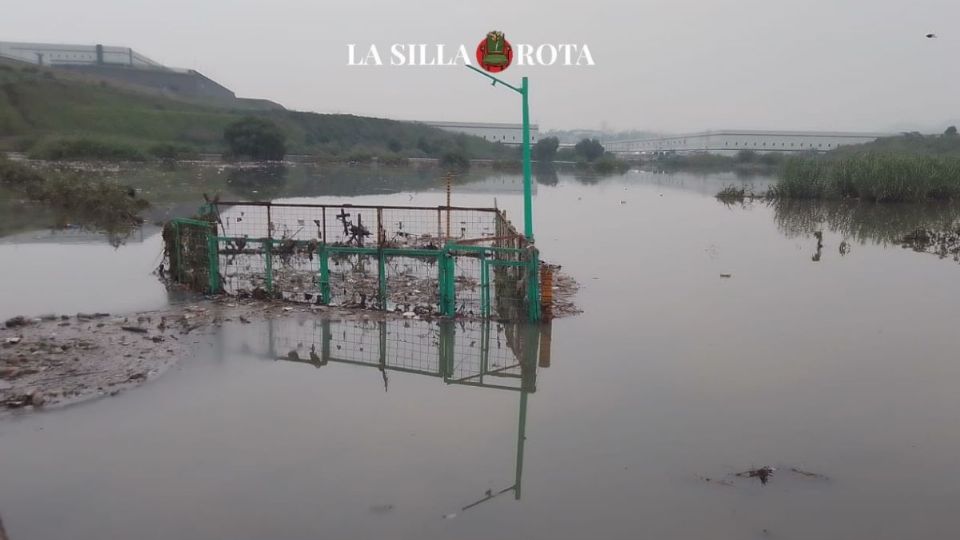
[(494, 53)]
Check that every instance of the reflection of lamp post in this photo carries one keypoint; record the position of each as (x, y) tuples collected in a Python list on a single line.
[(527, 188)]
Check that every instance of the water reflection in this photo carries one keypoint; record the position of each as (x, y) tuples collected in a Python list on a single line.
[(491, 355), (925, 228), (258, 183), (862, 222)]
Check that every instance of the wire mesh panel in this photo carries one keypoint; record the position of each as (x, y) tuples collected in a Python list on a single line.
[(354, 280), (413, 228), (188, 252), (468, 278), (243, 266), (454, 261), (412, 283)]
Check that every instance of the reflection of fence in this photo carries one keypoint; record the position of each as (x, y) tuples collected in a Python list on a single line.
[(449, 261), (482, 353), (476, 353)]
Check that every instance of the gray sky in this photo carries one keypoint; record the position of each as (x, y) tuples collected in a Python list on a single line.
[(670, 65)]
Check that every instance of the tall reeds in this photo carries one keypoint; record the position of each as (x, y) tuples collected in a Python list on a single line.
[(880, 177)]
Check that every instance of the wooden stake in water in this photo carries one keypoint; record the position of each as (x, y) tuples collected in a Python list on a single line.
[(448, 178)]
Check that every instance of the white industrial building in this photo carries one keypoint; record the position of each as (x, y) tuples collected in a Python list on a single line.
[(503, 133), (729, 142), (122, 64), (50, 54)]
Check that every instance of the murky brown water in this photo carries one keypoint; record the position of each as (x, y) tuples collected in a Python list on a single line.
[(846, 366)]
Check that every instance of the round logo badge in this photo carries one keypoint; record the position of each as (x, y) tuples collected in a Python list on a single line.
[(494, 53)]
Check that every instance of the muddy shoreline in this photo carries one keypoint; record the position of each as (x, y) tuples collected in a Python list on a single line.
[(58, 360)]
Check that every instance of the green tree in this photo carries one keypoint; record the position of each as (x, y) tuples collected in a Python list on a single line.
[(255, 138), (545, 149), (951, 131), (589, 149), (454, 161)]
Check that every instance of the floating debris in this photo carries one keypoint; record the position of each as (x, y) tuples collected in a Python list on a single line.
[(808, 474), (763, 473), (944, 243)]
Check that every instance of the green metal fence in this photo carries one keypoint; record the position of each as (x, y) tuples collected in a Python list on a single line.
[(448, 261)]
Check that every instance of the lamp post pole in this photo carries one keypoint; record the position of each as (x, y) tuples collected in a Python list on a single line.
[(527, 172), (533, 276), (527, 180)]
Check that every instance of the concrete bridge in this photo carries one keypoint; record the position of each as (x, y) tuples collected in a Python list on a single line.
[(729, 142)]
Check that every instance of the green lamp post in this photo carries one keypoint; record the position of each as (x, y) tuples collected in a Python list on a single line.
[(527, 185), (533, 289)]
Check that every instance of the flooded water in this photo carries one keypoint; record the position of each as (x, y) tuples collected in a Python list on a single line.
[(838, 359)]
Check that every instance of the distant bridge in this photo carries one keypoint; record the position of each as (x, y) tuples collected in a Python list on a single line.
[(729, 142)]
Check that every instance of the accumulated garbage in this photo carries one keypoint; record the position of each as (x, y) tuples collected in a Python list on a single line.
[(942, 243), (765, 475)]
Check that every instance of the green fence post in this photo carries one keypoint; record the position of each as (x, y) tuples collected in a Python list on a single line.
[(448, 302), (441, 285), (533, 284), (268, 252), (213, 249), (382, 278), (324, 274), (450, 282), (484, 286)]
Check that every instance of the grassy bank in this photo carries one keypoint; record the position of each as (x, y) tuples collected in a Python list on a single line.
[(871, 176), (41, 108)]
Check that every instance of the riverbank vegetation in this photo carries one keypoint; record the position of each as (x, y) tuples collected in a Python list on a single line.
[(872, 176), (587, 155), (743, 161), (91, 202), (906, 168), (46, 112)]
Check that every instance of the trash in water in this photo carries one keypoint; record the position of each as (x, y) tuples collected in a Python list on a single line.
[(763, 473)]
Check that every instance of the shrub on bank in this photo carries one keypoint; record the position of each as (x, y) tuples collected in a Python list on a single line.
[(454, 161), (255, 138)]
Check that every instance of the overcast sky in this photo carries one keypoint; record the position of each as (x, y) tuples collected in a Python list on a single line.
[(662, 65)]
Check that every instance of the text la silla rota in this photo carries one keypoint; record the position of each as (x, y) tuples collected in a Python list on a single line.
[(423, 54)]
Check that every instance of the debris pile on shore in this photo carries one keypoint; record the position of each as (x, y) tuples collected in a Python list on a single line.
[(59, 359)]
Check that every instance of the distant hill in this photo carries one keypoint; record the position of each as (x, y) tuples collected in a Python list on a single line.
[(39, 104)]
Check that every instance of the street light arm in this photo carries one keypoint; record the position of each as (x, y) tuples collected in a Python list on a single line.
[(495, 80)]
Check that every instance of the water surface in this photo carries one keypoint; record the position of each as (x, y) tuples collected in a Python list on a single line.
[(844, 365)]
